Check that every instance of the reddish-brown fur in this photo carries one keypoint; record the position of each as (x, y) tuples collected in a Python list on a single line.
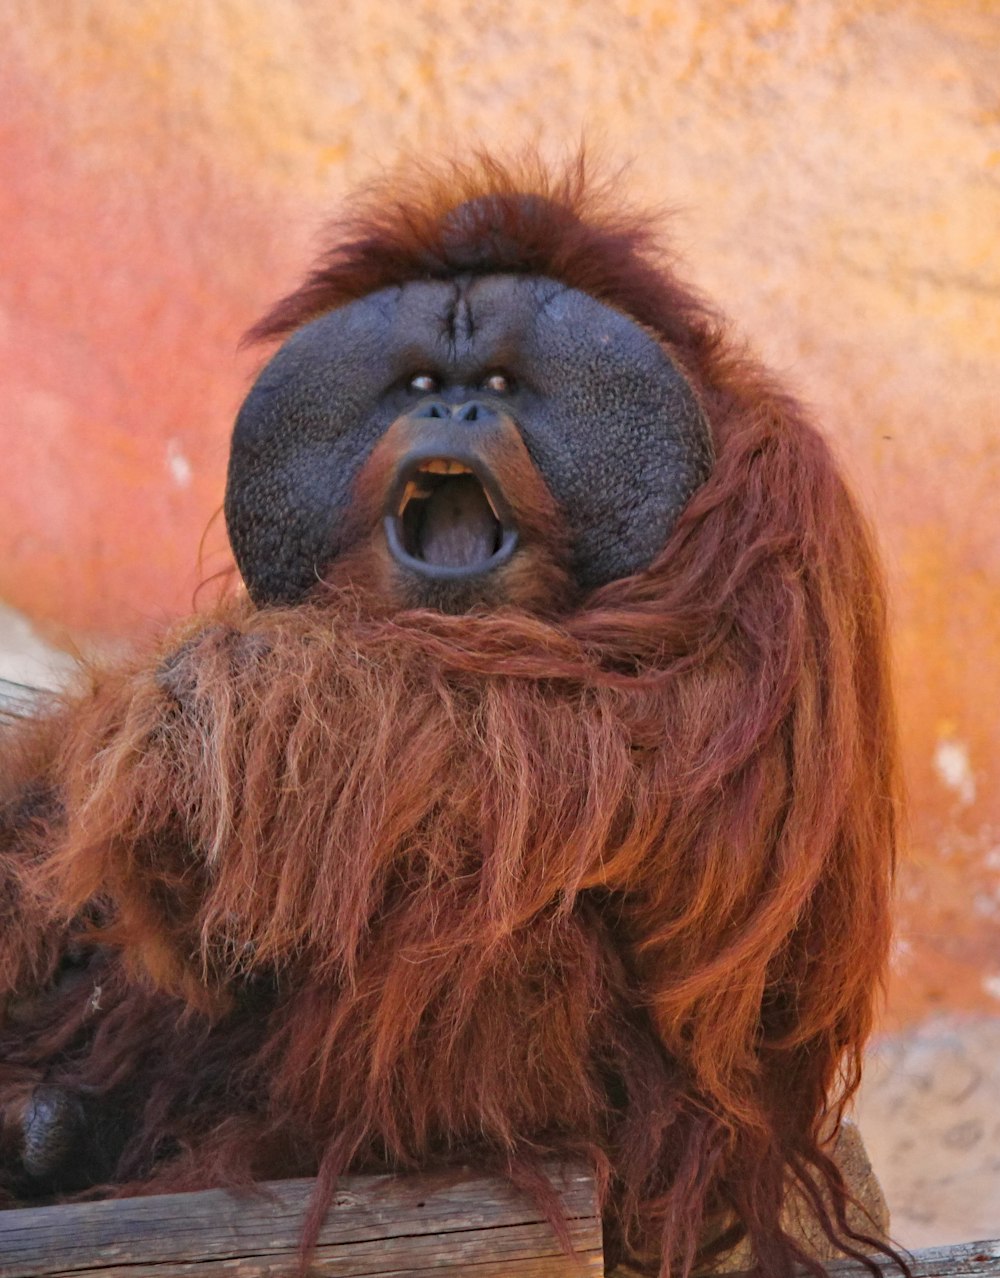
[(397, 890)]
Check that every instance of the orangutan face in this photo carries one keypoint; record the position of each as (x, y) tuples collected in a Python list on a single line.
[(500, 439)]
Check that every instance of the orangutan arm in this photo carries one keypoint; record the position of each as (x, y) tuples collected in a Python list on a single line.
[(52, 1139), (30, 814)]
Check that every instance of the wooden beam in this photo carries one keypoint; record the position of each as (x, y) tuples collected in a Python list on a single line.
[(961, 1260), (458, 1224), (981, 1259)]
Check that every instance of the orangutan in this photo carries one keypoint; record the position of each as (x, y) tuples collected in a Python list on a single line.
[(536, 799)]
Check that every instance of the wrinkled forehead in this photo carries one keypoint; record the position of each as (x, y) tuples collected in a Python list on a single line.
[(475, 322), (460, 318)]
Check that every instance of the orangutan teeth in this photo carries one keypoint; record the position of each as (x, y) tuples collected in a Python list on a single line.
[(444, 466), (413, 491)]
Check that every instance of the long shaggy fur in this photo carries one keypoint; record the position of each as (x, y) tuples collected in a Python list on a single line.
[(393, 891)]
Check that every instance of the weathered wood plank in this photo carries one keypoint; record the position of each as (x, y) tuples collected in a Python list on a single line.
[(540, 1267), (451, 1222), (979, 1258), (527, 1251)]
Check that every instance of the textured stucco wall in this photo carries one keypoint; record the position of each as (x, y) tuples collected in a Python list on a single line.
[(835, 167)]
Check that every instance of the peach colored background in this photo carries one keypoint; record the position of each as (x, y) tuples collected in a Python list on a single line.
[(835, 167)]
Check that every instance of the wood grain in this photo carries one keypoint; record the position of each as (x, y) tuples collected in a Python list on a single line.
[(457, 1224), (454, 1223), (979, 1258)]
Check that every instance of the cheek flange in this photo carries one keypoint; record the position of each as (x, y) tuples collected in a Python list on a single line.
[(618, 432)]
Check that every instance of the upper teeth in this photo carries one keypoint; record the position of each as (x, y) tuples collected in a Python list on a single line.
[(444, 466)]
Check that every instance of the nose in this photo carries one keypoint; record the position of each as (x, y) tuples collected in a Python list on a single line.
[(472, 412)]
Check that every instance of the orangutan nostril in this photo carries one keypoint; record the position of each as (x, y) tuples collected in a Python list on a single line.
[(474, 411), (435, 410)]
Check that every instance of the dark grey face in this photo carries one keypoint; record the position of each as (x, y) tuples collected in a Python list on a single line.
[(614, 429)]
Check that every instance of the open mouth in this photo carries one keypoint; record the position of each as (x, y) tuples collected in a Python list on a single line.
[(448, 519)]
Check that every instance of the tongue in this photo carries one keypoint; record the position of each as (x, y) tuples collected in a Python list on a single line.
[(458, 528)]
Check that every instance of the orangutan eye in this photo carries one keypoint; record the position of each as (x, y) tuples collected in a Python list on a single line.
[(499, 383), (425, 383)]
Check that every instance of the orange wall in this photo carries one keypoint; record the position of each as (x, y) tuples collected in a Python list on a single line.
[(836, 170)]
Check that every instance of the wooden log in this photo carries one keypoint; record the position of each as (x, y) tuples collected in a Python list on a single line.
[(979, 1258), (458, 1224), (961, 1260)]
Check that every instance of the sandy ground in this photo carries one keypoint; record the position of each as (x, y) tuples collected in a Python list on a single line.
[(929, 1108)]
